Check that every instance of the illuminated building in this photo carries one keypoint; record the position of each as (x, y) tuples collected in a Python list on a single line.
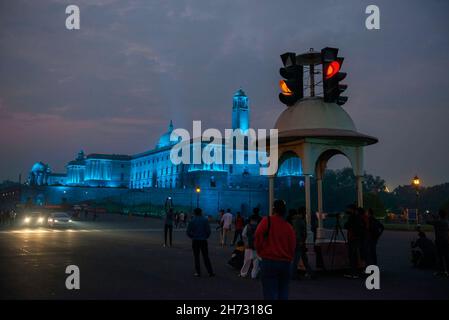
[(153, 168)]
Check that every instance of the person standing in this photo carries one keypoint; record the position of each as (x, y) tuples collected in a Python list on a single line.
[(251, 257), (176, 220), (12, 217), (375, 230), (300, 227), (181, 219), (275, 243), (441, 229), (168, 227), (219, 227), (239, 224), (198, 230), (227, 224), (355, 230), (256, 216)]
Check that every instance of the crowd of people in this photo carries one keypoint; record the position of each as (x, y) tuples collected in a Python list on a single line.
[(272, 247), (7, 217), (363, 233)]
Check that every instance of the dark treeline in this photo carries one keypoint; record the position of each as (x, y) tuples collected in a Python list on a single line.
[(339, 190)]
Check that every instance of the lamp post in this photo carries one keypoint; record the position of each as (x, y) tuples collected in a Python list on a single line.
[(198, 191), (416, 182)]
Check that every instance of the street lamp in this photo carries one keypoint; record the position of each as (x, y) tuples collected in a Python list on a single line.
[(416, 182), (198, 191)]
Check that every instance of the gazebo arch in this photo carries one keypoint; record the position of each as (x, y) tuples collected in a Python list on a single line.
[(286, 156)]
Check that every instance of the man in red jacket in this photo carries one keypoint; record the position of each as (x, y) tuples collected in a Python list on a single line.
[(275, 243)]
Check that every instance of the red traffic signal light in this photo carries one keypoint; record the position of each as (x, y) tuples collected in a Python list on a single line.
[(332, 69), (332, 76)]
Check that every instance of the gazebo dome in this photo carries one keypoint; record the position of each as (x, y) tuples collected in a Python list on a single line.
[(39, 167), (312, 117)]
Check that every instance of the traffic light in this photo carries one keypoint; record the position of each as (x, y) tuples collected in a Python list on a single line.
[(292, 85), (332, 76)]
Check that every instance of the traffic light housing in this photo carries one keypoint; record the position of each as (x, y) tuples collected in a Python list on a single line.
[(292, 84), (332, 76)]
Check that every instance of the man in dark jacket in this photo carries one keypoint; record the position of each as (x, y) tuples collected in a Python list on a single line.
[(199, 231), (355, 227)]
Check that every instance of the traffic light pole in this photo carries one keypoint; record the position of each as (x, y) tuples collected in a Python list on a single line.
[(312, 80)]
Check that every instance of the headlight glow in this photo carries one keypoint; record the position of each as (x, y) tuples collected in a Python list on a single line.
[(40, 220), (27, 220), (56, 220), (50, 220), (70, 220)]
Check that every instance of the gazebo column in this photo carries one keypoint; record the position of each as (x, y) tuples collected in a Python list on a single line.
[(320, 231), (359, 181), (270, 194), (307, 194)]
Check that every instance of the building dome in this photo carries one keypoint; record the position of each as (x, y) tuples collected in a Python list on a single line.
[(164, 140), (312, 117), (39, 167)]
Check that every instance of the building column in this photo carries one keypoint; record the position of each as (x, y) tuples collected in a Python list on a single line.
[(307, 194), (359, 180), (270, 194)]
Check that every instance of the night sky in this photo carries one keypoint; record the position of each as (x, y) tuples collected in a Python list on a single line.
[(113, 85)]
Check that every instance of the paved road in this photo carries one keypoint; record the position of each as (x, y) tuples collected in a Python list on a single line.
[(124, 259)]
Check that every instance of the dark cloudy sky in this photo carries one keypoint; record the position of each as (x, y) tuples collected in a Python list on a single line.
[(113, 85)]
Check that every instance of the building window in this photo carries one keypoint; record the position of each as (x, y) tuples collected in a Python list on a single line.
[(122, 177)]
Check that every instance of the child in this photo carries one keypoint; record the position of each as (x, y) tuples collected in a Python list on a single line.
[(251, 258), (236, 260)]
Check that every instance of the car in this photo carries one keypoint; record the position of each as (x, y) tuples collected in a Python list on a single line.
[(34, 219), (59, 219)]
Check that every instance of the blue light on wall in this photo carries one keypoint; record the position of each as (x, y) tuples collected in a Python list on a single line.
[(290, 167)]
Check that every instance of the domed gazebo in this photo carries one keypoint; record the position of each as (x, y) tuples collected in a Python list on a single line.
[(315, 131)]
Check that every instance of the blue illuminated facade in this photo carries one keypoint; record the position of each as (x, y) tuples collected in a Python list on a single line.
[(240, 111), (153, 168)]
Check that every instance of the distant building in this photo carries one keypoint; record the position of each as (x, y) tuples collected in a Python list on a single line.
[(153, 168)]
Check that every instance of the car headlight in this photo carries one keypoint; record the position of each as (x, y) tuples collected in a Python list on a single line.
[(50, 220), (27, 220), (40, 220), (70, 220), (56, 220)]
